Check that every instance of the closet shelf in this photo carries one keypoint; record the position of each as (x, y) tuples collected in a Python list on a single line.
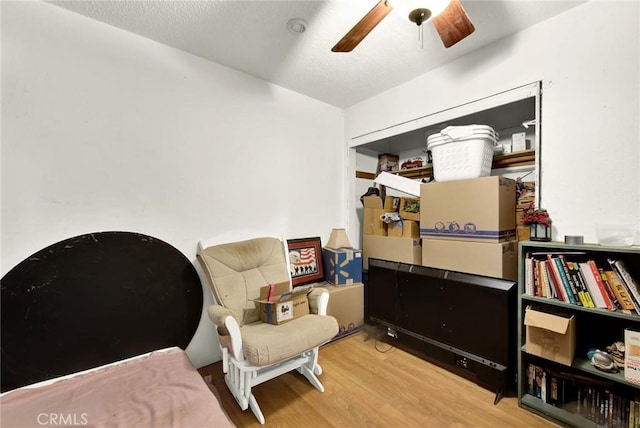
[(523, 158)]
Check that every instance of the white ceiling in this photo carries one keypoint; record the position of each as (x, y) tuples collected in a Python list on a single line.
[(252, 37)]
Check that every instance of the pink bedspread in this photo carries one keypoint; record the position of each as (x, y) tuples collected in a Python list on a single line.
[(162, 389)]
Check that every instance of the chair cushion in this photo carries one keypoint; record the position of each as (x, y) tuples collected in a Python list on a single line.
[(237, 270), (265, 344)]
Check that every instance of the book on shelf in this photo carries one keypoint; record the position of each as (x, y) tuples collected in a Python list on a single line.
[(536, 278), (537, 269), (597, 294), (600, 284), (559, 290), (544, 278), (529, 278), (540, 290), (596, 400), (609, 289), (573, 277), (621, 292), (557, 273), (563, 269), (574, 270), (530, 379), (630, 283)]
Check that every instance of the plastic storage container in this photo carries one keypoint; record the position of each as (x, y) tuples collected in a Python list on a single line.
[(615, 235), (461, 152)]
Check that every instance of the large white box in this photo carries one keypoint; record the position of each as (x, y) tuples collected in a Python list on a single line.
[(403, 184)]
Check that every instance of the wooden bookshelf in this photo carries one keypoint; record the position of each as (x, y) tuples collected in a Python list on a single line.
[(595, 329)]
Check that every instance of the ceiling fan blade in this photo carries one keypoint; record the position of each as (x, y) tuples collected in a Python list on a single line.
[(363, 27), (453, 24)]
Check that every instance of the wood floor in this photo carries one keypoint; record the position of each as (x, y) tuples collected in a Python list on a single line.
[(372, 384)]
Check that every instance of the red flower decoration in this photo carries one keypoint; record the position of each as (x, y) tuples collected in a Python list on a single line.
[(536, 216)]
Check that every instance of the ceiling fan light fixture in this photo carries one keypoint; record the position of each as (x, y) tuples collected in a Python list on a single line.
[(419, 15), (419, 11)]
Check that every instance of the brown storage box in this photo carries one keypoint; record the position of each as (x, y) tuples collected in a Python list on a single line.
[(387, 162), (550, 336), (403, 229), (478, 209), (498, 260), (346, 305), (284, 306), (410, 229), (395, 229), (406, 250), (372, 224), (391, 204), (410, 208)]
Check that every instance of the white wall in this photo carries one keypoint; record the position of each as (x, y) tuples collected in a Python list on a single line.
[(103, 130), (588, 61)]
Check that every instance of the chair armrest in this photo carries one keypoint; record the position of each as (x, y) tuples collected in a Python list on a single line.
[(318, 301), (228, 330), (217, 315)]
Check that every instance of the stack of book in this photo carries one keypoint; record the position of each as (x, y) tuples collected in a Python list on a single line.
[(594, 399), (575, 278)]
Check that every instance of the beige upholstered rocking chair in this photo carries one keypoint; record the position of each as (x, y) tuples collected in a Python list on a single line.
[(252, 351)]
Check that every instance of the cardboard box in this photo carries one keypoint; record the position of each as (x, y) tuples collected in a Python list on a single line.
[(477, 209), (632, 356), (391, 204), (550, 335), (410, 208), (410, 229), (346, 305), (342, 266), (284, 304), (498, 260), (387, 162), (395, 229), (372, 223), (405, 250), (403, 229)]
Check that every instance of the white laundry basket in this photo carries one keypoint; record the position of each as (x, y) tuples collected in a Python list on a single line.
[(461, 152)]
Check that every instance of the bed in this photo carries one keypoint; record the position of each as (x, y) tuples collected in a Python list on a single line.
[(94, 330), (157, 389)]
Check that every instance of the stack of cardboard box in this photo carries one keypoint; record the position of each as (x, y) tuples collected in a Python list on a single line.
[(343, 272), (524, 201), (470, 226), (397, 240)]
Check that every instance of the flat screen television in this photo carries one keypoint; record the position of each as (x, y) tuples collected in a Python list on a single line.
[(467, 314)]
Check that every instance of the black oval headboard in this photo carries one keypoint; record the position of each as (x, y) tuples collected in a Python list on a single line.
[(92, 300)]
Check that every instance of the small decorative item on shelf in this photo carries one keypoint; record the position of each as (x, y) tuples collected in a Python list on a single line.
[(539, 223), (602, 361)]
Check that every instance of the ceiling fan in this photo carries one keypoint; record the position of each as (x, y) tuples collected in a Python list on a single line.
[(448, 16)]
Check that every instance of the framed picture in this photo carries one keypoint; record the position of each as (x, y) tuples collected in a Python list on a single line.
[(305, 257)]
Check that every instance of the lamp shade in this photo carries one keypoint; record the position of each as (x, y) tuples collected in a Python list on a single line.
[(338, 239)]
